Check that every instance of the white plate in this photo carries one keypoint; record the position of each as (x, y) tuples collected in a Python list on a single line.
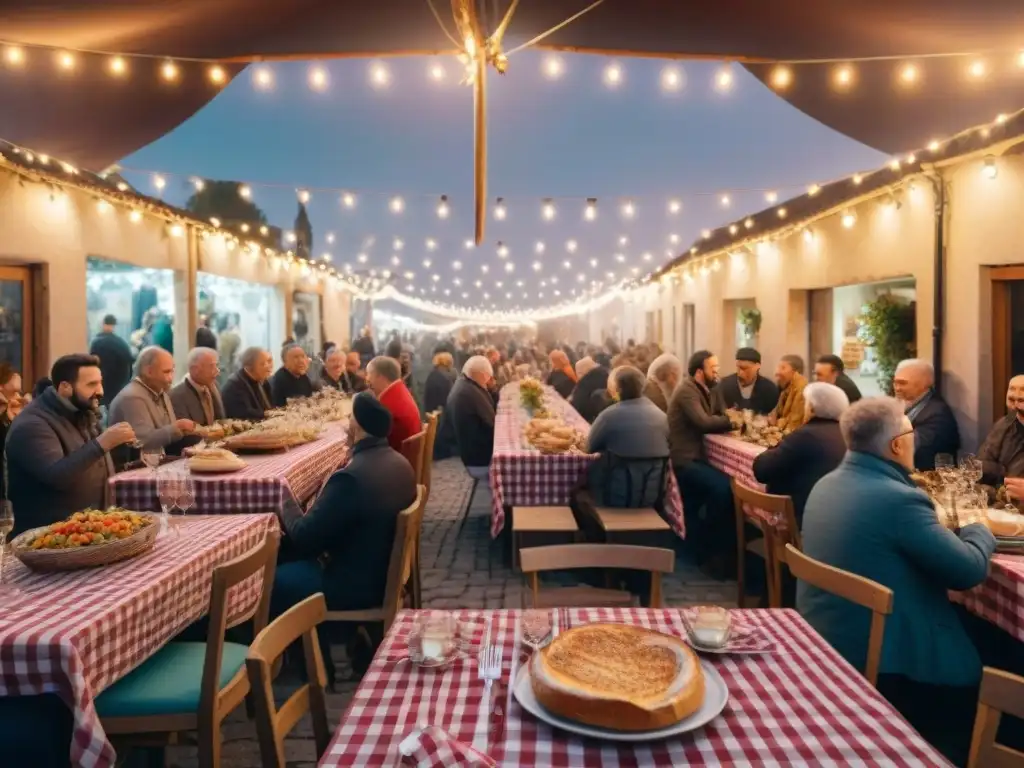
[(216, 466), (716, 695)]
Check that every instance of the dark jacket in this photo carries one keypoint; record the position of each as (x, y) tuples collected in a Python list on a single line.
[(55, 465), (1002, 453), (353, 522), (245, 399), (846, 384), (285, 384), (189, 405), (205, 337), (351, 383), (935, 432), (762, 400), (437, 388), (631, 429), (867, 517), (561, 382), (115, 363), (471, 410), (691, 415), (582, 398), (804, 456)]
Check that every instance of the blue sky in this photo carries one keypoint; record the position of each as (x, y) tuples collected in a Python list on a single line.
[(571, 137)]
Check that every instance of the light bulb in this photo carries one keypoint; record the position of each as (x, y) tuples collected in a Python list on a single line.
[(330, 238), (348, 200), (502, 250), (613, 75), (118, 66), (590, 211), (648, 256), (103, 206), (136, 216), (748, 223), (908, 74), (509, 266), (674, 206), (159, 182), (548, 210), (14, 55), (397, 244), (539, 247), (169, 71), (177, 230), (733, 229), (553, 67), (671, 79), (537, 266), (215, 221), (989, 169), (499, 209), (843, 77), (289, 237), (362, 258), (263, 78), (724, 79), (628, 209), (397, 205), (849, 219), (427, 263), (442, 208), (303, 196), (456, 265), (673, 238), (469, 244), (781, 213), (318, 79), (217, 75), (431, 244), (978, 69), (66, 60), (199, 184), (396, 260), (781, 77), (857, 179), (813, 190), (593, 263), (245, 192), (567, 264), (379, 75), (571, 246), (771, 196), (437, 72), (726, 201)]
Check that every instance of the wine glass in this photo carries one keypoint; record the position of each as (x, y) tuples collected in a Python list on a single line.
[(945, 466), (535, 627), (152, 455), (186, 492), (167, 492), (971, 467)]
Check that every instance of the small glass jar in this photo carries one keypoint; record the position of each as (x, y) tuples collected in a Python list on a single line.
[(710, 626)]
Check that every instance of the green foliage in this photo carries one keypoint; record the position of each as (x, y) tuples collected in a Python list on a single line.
[(221, 199), (750, 319), (889, 325)]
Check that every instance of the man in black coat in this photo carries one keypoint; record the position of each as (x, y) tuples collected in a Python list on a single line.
[(747, 388), (115, 359), (291, 379), (809, 453), (471, 411), (831, 370), (246, 393), (592, 378), (935, 427)]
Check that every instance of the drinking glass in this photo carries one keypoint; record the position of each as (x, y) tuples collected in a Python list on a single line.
[(167, 483), (152, 456), (6, 526), (186, 492), (433, 638), (535, 627), (971, 467)]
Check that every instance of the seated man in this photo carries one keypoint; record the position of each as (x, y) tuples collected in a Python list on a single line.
[(352, 378), (592, 378), (246, 393), (831, 370), (632, 428), (869, 518), (789, 375), (1002, 453), (291, 380), (935, 427), (747, 389), (197, 397), (332, 371), (384, 375), (663, 377), (706, 491), (470, 410)]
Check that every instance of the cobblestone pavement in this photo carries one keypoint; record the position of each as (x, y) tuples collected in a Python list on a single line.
[(461, 568)]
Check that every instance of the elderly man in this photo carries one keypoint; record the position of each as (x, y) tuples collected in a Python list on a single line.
[(593, 379), (663, 376), (831, 370), (747, 389), (869, 518), (197, 397), (935, 427), (58, 460), (707, 493), (246, 393), (384, 375), (352, 379), (795, 465), (471, 412), (789, 375), (145, 404), (632, 428), (1002, 453), (332, 371), (291, 380)]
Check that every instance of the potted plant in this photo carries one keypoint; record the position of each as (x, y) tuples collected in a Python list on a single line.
[(888, 325), (750, 322)]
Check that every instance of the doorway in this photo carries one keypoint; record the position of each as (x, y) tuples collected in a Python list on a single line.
[(16, 319), (1007, 332)]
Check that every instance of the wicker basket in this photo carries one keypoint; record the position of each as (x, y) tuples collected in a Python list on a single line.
[(75, 558)]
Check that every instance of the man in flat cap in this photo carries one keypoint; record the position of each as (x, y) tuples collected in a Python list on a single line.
[(747, 388)]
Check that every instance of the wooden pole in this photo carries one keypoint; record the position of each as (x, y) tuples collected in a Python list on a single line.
[(480, 146)]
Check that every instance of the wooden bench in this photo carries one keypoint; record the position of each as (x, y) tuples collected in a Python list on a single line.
[(546, 520)]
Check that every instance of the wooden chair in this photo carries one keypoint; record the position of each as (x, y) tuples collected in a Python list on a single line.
[(766, 547), (412, 449), (856, 589), (399, 569), (534, 560), (273, 724), (428, 452), (192, 686), (547, 520), (1001, 693)]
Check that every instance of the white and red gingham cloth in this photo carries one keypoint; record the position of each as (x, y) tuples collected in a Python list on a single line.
[(735, 458), (267, 484), (522, 476), (74, 633), (1000, 598), (802, 705)]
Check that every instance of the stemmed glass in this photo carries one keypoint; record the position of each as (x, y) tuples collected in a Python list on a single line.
[(186, 491), (6, 526), (971, 468), (536, 627), (167, 484), (152, 456)]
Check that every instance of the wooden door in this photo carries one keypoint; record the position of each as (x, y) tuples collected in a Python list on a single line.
[(16, 322), (1007, 332)]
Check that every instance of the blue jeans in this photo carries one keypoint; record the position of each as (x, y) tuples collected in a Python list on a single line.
[(293, 583), (707, 508)]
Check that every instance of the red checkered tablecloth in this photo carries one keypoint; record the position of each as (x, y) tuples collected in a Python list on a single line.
[(735, 458), (269, 482), (1000, 598), (522, 476), (802, 705), (75, 633)]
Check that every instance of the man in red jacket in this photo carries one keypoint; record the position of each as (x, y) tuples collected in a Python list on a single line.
[(384, 375)]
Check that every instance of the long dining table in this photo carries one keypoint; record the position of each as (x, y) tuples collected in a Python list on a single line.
[(521, 475), (800, 704)]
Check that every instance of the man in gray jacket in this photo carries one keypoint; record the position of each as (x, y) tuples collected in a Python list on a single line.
[(58, 461), (706, 491), (145, 404), (197, 397)]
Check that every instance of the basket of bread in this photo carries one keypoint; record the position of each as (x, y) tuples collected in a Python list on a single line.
[(87, 539), (553, 436), (215, 460)]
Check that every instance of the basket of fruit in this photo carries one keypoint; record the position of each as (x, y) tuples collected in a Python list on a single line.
[(87, 539)]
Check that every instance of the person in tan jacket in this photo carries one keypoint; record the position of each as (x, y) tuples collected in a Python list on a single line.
[(789, 375)]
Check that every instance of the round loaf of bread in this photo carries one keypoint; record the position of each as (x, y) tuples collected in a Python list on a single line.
[(618, 677), (1005, 523)]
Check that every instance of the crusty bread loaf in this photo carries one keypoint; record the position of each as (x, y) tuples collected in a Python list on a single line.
[(618, 676), (1005, 523)]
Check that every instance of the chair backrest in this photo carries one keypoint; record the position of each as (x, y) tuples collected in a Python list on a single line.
[(262, 557), (407, 528), (273, 724), (645, 480), (1001, 693), (780, 507), (849, 586), (428, 452), (412, 449), (655, 560)]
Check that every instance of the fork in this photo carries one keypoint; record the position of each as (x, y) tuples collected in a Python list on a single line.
[(489, 670)]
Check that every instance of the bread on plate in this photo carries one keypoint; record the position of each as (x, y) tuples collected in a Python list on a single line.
[(617, 676), (1003, 522)]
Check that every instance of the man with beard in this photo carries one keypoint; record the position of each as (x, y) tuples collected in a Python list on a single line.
[(58, 461), (707, 494), (1002, 453), (747, 388)]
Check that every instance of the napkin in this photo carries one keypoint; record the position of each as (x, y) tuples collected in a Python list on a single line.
[(433, 747)]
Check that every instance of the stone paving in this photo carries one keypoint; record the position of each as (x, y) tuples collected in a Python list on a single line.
[(461, 568)]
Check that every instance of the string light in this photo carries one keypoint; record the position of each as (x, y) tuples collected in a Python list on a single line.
[(908, 74), (499, 209), (502, 250), (136, 216), (843, 77), (674, 206), (571, 246), (456, 265), (397, 205), (771, 197), (431, 244), (303, 196), (590, 210), (781, 213), (613, 75), (169, 71), (330, 238), (469, 244), (318, 79), (978, 69), (548, 209), (362, 258), (705, 233), (725, 200), (348, 200), (553, 67), (539, 247), (849, 219), (66, 60), (14, 55), (199, 184), (989, 169), (437, 72), (159, 182), (623, 240), (857, 179), (397, 244), (748, 223), (245, 192), (118, 67), (628, 209), (442, 208), (724, 79), (671, 79), (781, 77), (427, 263), (379, 75), (813, 190), (217, 75), (567, 264), (263, 78)]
